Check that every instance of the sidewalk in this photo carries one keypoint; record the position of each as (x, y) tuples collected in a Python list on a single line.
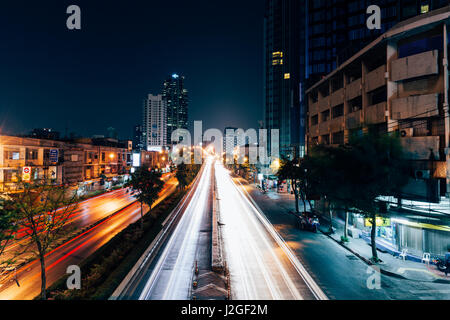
[(389, 265)]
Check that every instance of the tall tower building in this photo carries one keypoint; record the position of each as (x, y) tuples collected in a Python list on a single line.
[(337, 29), (306, 39), (154, 126), (137, 137), (284, 61), (176, 98)]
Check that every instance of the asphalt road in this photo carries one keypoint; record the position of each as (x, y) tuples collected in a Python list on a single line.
[(79, 248), (169, 277), (340, 274), (261, 264), (87, 213)]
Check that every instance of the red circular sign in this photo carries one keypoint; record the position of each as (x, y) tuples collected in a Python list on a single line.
[(26, 170)]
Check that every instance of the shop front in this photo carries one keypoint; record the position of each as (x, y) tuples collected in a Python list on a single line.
[(396, 233)]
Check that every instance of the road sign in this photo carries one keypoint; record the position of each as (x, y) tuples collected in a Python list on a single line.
[(26, 174), (54, 155)]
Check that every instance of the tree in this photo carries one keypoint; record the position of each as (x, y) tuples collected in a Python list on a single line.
[(289, 169), (321, 177), (42, 210), (148, 184), (8, 227), (186, 173), (353, 176), (182, 175), (378, 169)]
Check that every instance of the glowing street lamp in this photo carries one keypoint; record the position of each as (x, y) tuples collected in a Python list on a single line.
[(275, 166)]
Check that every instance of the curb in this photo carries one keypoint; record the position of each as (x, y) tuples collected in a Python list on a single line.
[(217, 263), (383, 271)]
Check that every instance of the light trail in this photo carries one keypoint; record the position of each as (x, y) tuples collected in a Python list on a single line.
[(171, 277), (261, 264)]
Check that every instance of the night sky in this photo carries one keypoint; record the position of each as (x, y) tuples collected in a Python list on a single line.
[(97, 77)]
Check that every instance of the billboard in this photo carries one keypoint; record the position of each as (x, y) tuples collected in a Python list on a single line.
[(136, 159)]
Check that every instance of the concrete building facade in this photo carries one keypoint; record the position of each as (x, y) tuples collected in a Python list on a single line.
[(154, 129), (68, 162), (397, 83)]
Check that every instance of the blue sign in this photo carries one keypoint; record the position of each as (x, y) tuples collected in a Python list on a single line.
[(54, 155)]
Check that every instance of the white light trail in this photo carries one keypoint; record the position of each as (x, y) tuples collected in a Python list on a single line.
[(171, 277), (262, 266)]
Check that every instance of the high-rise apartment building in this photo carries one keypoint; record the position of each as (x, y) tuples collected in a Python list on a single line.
[(154, 127), (175, 96)]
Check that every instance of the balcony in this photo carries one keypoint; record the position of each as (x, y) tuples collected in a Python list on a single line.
[(353, 89), (323, 128), (375, 113), (337, 124), (376, 78), (323, 104), (314, 130), (419, 148), (421, 106), (353, 120), (313, 109), (417, 65), (337, 97)]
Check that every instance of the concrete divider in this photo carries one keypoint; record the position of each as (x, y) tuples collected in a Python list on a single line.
[(217, 262)]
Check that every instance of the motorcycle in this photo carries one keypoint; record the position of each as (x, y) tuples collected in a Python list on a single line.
[(440, 264), (309, 222)]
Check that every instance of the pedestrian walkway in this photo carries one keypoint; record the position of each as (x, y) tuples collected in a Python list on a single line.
[(391, 265)]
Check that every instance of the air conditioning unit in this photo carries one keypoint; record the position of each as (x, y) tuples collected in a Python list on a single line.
[(408, 132), (422, 174)]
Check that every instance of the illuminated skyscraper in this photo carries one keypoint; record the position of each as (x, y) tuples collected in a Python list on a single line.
[(175, 97), (284, 61), (154, 129)]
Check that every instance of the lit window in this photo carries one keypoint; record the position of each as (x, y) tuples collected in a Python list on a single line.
[(287, 75), (424, 8), (277, 54), (277, 62)]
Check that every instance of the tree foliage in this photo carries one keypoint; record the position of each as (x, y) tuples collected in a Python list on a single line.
[(147, 185), (353, 176), (8, 227), (42, 211), (186, 173)]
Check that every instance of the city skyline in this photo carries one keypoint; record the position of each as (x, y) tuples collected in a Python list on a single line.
[(246, 151), (58, 67)]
